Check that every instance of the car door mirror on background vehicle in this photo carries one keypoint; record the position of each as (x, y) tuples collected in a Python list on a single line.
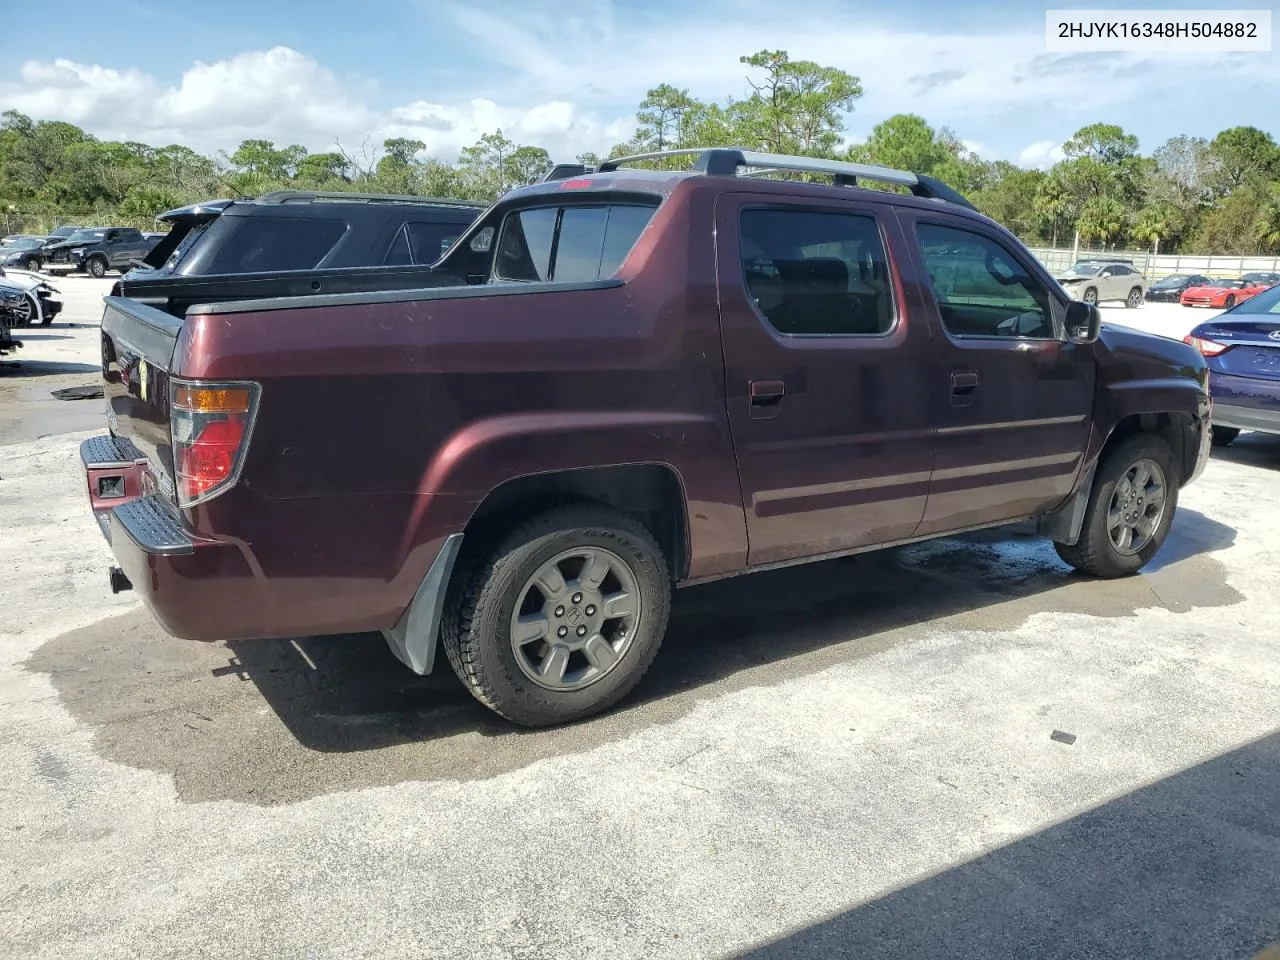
[(1084, 322)]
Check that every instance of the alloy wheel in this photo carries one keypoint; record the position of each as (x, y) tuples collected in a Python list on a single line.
[(575, 618), (1137, 507)]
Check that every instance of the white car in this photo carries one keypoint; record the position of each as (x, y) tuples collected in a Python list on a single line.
[(1095, 281), (40, 303)]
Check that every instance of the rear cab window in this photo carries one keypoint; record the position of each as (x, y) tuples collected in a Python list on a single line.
[(568, 243)]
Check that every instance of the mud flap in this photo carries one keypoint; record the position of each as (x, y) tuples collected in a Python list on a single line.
[(1064, 524), (414, 637)]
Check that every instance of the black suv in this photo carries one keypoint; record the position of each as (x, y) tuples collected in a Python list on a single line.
[(247, 249)]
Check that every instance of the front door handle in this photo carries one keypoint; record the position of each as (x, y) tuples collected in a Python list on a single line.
[(964, 387), (766, 398)]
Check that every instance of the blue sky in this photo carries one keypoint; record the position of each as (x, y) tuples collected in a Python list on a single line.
[(567, 75)]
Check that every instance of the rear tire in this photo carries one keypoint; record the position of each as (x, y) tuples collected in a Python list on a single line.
[(1224, 436), (1135, 298), (1111, 506), (587, 658)]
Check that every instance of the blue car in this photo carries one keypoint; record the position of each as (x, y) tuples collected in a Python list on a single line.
[(1242, 350)]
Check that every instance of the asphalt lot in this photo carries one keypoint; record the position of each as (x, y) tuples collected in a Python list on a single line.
[(950, 750)]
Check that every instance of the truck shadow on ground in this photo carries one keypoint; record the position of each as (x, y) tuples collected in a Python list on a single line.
[(1252, 450), (272, 721), (43, 368), (1188, 867)]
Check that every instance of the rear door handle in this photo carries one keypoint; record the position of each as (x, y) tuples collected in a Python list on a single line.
[(964, 386), (766, 398)]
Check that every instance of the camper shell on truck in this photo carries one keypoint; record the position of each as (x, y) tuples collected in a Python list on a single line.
[(643, 380), (296, 243)]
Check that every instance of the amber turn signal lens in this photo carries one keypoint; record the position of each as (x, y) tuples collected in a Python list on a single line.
[(212, 399)]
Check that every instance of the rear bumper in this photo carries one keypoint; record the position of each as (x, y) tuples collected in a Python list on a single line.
[(197, 589), (1245, 403), (1246, 418), (293, 568)]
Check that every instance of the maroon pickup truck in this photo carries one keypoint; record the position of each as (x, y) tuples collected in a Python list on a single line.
[(647, 380)]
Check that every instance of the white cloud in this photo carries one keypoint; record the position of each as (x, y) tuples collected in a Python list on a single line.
[(1042, 154), (285, 96)]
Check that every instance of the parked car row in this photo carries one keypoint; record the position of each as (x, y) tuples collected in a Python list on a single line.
[(1100, 279), (91, 250)]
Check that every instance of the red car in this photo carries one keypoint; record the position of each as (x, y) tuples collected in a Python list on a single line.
[(1221, 293)]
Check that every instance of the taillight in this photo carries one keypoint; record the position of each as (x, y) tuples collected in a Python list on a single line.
[(1208, 348), (210, 424)]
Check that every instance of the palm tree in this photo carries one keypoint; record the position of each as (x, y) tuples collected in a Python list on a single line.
[(1101, 218), (1155, 223)]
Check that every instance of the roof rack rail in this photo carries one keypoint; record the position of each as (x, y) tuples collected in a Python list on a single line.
[(302, 196), (728, 161)]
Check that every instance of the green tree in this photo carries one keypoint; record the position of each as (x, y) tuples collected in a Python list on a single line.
[(1244, 154), (1266, 225), (1230, 226), (1101, 218), (661, 119), (798, 106), (322, 170), (1157, 224), (143, 203)]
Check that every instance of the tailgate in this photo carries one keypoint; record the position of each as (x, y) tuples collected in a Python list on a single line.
[(137, 353)]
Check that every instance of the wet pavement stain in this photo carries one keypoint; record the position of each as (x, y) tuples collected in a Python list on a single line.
[(277, 721)]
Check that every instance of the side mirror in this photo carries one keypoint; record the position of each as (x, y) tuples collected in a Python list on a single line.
[(1084, 322)]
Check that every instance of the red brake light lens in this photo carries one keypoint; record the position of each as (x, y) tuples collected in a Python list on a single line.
[(210, 424), (581, 183), (1208, 348)]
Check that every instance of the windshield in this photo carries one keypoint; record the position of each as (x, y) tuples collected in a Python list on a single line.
[(1222, 283), (1177, 280), (1086, 269), (84, 236), (22, 244)]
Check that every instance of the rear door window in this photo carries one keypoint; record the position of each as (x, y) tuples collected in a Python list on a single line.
[(258, 244), (815, 272), (569, 244)]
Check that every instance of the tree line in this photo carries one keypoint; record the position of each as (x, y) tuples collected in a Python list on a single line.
[(1191, 194)]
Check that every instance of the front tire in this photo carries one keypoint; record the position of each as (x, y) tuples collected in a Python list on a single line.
[(1091, 297), (1224, 436), (24, 314), (32, 264), (1130, 511), (97, 267), (1230, 301), (561, 619)]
